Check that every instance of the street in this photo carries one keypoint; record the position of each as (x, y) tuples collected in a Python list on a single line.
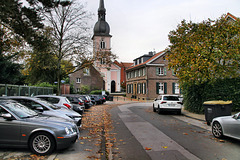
[(168, 136), (132, 131)]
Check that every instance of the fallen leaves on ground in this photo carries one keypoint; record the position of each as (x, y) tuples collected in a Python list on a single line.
[(146, 148), (97, 120)]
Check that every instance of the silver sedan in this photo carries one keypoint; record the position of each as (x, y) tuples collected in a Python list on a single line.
[(23, 127), (226, 126)]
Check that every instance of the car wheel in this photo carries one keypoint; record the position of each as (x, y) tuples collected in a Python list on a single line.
[(217, 130), (154, 109), (42, 143), (159, 110)]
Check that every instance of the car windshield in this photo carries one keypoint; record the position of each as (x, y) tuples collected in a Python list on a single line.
[(170, 98), (48, 104), (20, 110)]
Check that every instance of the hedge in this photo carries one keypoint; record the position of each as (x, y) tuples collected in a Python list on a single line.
[(221, 89)]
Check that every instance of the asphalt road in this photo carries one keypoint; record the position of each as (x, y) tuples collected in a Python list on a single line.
[(148, 135)]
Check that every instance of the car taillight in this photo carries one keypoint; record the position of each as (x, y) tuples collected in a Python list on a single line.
[(104, 98), (67, 105), (80, 103), (163, 102)]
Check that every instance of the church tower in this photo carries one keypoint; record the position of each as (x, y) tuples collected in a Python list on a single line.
[(110, 72), (101, 38)]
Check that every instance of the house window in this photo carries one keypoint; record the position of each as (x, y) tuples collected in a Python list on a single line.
[(176, 89), (140, 72), (86, 72), (132, 74), (78, 80), (102, 45), (139, 88), (137, 73), (144, 71), (78, 90), (161, 71), (161, 88), (144, 88)]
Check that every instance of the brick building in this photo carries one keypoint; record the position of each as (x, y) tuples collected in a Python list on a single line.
[(150, 77), (87, 77)]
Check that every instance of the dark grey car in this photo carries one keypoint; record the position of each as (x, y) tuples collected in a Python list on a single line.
[(23, 127), (47, 108)]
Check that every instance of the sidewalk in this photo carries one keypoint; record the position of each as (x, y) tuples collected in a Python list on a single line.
[(200, 117)]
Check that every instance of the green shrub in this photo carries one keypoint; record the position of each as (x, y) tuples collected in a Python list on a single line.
[(221, 89), (98, 92)]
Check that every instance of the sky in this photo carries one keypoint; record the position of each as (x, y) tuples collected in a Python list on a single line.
[(140, 26)]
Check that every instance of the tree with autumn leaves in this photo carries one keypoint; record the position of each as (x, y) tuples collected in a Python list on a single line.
[(204, 52)]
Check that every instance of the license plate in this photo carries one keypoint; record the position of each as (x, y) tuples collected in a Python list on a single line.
[(171, 105)]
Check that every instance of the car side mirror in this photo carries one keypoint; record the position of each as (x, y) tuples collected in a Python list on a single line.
[(7, 116), (155, 99), (235, 116)]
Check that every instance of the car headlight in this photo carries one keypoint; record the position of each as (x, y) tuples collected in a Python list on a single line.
[(67, 130)]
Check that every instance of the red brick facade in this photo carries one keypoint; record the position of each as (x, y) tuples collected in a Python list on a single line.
[(88, 77), (150, 78)]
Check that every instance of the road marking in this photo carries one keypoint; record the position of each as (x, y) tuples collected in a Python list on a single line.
[(150, 137)]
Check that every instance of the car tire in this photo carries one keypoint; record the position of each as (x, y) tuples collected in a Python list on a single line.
[(154, 109), (217, 130), (42, 143), (159, 110)]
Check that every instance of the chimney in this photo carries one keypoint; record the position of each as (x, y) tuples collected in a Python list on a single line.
[(150, 53)]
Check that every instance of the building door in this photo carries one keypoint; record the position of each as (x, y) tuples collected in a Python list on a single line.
[(113, 87)]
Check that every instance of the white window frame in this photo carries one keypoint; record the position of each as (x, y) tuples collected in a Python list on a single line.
[(144, 71), (78, 80), (86, 71), (161, 88), (160, 70), (143, 89), (177, 89)]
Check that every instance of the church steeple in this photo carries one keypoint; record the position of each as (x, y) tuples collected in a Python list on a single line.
[(101, 11), (101, 28)]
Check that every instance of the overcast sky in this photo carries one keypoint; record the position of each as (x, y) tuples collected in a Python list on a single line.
[(140, 26)]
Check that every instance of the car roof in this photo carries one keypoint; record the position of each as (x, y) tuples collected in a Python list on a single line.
[(17, 97), (6, 100), (50, 96)]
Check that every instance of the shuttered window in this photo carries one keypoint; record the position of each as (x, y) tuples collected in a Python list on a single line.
[(161, 71), (161, 88)]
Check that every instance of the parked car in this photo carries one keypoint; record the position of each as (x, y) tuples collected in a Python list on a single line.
[(167, 103), (46, 108), (23, 127), (103, 99), (78, 104), (59, 101), (226, 126), (96, 99), (86, 100)]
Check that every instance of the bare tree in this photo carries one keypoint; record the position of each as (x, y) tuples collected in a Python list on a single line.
[(71, 36)]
